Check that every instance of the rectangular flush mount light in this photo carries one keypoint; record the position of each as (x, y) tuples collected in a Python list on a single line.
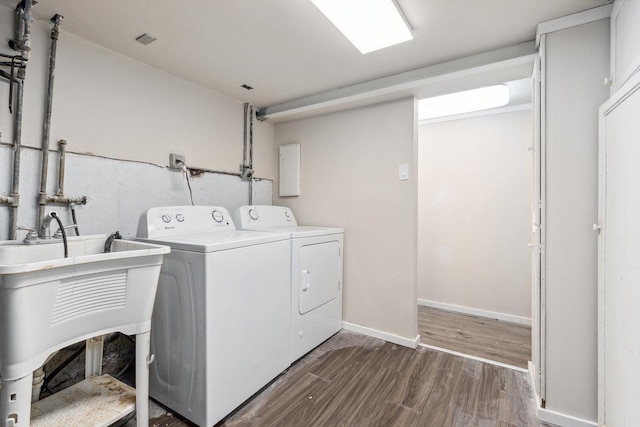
[(463, 102), (368, 24)]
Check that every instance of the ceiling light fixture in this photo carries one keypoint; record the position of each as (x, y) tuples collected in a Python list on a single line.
[(368, 24), (463, 102)]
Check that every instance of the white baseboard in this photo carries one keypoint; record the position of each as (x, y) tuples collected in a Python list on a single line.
[(468, 356), (476, 312), (393, 338), (553, 417)]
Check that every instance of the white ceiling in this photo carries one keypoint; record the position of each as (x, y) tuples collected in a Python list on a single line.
[(286, 49)]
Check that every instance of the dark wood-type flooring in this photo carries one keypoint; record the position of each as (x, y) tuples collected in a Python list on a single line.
[(355, 380), (504, 342)]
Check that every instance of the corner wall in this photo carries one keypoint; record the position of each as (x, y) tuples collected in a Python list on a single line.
[(577, 61), (349, 179)]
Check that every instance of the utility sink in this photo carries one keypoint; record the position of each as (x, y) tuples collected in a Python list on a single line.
[(48, 302)]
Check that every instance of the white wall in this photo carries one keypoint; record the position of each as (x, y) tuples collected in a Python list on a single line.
[(349, 172), (474, 215), (577, 60), (111, 106)]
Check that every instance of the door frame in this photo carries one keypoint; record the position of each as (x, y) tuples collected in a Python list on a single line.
[(538, 282)]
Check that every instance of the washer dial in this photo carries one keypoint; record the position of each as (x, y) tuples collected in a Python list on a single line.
[(253, 214), (217, 216)]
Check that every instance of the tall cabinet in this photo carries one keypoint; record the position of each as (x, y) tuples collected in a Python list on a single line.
[(619, 226), (570, 87)]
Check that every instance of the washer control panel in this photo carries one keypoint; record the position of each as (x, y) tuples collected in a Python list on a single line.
[(263, 216), (182, 220)]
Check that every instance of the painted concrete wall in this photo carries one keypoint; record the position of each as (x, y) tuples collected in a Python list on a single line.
[(474, 215), (119, 191), (113, 107), (349, 170), (577, 61)]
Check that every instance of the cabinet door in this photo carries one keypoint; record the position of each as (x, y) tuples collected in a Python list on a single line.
[(319, 275), (619, 258), (625, 41)]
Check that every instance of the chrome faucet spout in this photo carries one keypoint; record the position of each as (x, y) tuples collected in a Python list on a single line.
[(45, 231)]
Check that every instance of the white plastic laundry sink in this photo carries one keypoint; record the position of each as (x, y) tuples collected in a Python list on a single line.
[(48, 302)]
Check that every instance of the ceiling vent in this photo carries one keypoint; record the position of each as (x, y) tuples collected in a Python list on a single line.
[(146, 39)]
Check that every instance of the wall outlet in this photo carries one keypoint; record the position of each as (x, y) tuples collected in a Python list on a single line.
[(177, 161)]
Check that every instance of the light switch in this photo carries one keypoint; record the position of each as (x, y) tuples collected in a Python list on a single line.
[(403, 172)]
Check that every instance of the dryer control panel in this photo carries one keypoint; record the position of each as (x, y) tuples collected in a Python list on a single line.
[(182, 220), (263, 216)]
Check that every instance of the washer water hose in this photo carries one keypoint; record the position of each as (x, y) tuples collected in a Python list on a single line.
[(55, 216), (110, 239)]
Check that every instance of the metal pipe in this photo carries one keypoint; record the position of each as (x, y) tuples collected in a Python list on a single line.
[(244, 137), (15, 181), (251, 154), (62, 144), (197, 171), (66, 200), (251, 137), (42, 201), (23, 36)]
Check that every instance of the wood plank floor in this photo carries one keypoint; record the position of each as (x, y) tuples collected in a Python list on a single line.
[(355, 380), (504, 342)]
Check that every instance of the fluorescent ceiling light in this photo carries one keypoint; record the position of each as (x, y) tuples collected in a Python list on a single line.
[(368, 24), (463, 102)]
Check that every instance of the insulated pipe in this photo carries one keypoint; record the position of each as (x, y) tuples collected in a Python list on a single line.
[(42, 201), (22, 42)]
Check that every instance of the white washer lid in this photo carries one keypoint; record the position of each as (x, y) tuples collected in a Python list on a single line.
[(218, 241)]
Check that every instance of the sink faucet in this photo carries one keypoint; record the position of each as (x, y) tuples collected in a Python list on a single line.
[(45, 232)]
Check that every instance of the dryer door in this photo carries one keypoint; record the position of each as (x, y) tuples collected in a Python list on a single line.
[(319, 275)]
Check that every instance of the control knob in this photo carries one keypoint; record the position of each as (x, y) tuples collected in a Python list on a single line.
[(217, 216)]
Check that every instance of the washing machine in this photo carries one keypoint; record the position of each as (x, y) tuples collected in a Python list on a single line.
[(316, 273), (221, 326)]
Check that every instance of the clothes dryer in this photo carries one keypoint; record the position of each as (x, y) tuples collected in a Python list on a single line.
[(221, 322), (316, 273)]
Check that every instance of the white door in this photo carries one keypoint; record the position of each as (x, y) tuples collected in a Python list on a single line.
[(619, 258)]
